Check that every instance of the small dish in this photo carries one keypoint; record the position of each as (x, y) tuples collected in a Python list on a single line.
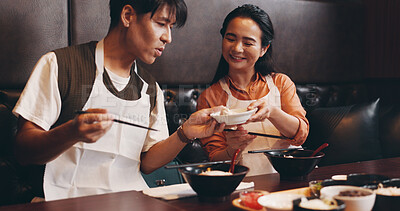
[(355, 198), (234, 117), (316, 204), (248, 200), (278, 201), (315, 187)]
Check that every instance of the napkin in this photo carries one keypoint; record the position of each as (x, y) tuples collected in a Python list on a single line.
[(177, 191)]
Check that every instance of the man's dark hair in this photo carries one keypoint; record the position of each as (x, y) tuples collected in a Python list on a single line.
[(141, 7)]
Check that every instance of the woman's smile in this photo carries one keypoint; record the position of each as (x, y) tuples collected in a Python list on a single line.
[(237, 58)]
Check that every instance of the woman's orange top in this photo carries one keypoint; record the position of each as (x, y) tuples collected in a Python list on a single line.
[(290, 103)]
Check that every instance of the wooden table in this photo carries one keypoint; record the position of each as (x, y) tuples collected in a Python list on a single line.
[(133, 200)]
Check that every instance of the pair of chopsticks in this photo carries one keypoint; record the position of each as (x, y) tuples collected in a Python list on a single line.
[(196, 164), (262, 134), (273, 150), (119, 121)]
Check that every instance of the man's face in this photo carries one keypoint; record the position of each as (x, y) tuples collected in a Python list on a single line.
[(147, 36)]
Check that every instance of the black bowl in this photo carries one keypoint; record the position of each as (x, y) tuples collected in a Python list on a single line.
[(362, 180), (383, 202), (296, 167), (330, 182), (296, 205), (213, 188), (366, 180)]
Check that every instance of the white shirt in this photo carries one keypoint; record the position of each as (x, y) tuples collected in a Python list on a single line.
[(40, 101)]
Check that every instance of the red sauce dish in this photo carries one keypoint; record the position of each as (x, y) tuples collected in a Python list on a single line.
[(249, 199)]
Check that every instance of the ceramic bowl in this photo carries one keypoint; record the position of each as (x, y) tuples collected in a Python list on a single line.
[(294, 164), (353, 203), (385, 201), (237, 116), (278, 201), (340, 205), (213, 188)]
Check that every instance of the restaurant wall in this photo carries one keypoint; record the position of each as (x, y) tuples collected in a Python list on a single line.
[(29, 29), (315, 40), (383, 39)]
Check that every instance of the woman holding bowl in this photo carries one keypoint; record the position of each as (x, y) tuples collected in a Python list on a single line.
[(246, 77)]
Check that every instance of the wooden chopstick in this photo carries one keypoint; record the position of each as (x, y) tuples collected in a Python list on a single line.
[(262, 134), (119, 121)]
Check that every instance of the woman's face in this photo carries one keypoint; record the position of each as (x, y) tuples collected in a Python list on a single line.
[(241, 45)]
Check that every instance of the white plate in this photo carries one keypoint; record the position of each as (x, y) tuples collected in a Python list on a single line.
[(238, 116), (278, 201)]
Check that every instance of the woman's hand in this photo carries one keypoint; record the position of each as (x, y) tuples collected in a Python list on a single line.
[(92, 125), (264, 111), (238, 139), (202, 125)]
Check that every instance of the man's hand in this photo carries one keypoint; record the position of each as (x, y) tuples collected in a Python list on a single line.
[(92, 125), (201, 124)]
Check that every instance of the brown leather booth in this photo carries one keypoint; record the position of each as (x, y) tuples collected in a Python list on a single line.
[(319, 44)]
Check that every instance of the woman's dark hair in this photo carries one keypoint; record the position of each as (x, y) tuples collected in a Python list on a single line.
[(264, 64), (178, 8)]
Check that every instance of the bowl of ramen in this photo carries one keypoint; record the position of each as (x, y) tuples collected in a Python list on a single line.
[(233, 116), (294, 164), (355, 198), (215, 182), (315, 204), (388, 195)]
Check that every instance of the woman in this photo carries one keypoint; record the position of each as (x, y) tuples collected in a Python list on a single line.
[(246, 77)]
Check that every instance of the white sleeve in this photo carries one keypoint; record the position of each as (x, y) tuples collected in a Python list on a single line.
[(40, 101), (158, 120)]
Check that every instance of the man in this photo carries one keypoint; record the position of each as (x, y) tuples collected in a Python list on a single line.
[(88, 154)]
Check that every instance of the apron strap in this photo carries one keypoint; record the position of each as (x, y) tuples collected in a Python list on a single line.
[(225, 87), (99, 57)]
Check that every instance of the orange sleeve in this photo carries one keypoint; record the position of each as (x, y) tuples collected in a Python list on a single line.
[(291, 104)]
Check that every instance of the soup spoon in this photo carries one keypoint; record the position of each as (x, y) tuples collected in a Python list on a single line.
[(319, 149), (232, 168)]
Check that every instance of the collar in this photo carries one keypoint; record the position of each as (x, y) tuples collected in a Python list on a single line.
[(231, 83)]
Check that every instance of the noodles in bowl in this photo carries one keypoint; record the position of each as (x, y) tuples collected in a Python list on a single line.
[(214, 183)]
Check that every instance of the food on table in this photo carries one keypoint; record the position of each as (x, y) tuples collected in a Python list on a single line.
[(353, 193), (318, 204), (226, 111), (210, 172), (249, 199), (315, 187), (387, 191), (279, 201)]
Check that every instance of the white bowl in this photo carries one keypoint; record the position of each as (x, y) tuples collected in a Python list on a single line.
[(353, 203), (238, 116), (278, 201)]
